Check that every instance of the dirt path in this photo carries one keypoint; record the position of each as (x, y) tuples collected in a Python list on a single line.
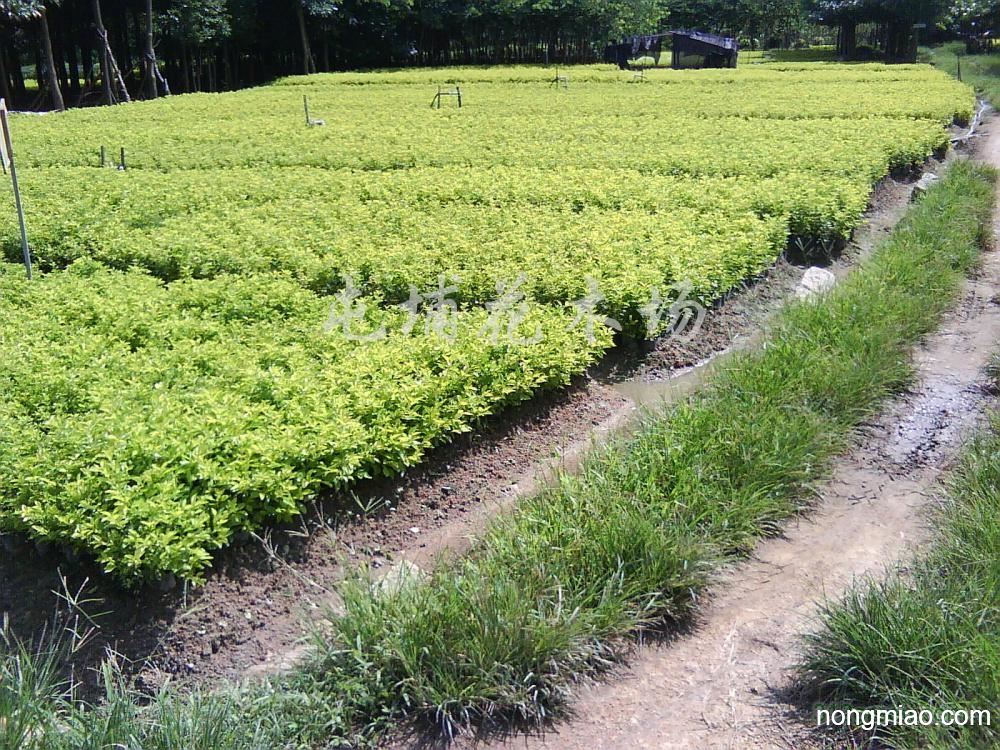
[(724, 684)]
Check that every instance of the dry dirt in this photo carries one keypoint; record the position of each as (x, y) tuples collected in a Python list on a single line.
[(250, 616), (727, 683)]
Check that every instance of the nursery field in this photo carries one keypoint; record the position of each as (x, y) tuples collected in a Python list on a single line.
[(256, 312)]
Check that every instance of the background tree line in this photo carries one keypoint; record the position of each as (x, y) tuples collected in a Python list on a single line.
[(55, 53)]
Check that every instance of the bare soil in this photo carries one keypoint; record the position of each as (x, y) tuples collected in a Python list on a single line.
[(728, 682), (252, 613)]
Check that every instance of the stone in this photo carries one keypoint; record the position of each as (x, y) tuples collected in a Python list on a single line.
[(814, 282), (398, 576), (924, 184)]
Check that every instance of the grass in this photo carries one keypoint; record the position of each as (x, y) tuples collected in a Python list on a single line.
[(559, 590), (36, 711), (931, 639), (982, 72)]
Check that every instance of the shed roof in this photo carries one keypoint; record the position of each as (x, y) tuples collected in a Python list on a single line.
[(723, 43)]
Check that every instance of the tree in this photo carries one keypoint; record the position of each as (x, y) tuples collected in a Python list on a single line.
[(896, 16), (149, 57), (637, 16), (20, 11), (195, 24), (753, 20), (969, 16), (314, 9), (103, 53)]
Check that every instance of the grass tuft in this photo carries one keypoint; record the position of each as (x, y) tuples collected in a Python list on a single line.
[(930, 639)]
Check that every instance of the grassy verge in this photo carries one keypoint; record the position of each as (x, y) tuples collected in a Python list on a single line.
[(558, 589), (929, 640), (982, 72)]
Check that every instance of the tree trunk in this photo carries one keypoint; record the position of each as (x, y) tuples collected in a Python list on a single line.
[(103, 54), (308, 65), (70, 50), (186, 68), (86, 64), (150, 55), (59, 54), (16, 74), (50, 63), (39, 69), (227, 68), (126, 43), (73, 63), (4, 82), (848, 40), (899, 47)]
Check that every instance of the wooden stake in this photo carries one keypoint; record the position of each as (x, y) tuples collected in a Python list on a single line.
[(122, 166), (104, 157), (25, 250), (305, 103)]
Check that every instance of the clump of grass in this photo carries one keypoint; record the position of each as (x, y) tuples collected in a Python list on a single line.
[(931, 639), (28, 689), (38, 710), (558, 589)]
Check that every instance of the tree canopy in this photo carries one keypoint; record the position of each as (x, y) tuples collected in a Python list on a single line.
[(901, 11)]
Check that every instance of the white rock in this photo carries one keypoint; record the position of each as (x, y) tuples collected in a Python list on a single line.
[(399, 576), (924, 184), (815, 281)]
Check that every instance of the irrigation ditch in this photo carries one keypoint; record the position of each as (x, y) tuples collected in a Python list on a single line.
[(249, 617)]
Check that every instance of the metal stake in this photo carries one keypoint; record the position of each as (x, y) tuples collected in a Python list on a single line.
[(25, 250)]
